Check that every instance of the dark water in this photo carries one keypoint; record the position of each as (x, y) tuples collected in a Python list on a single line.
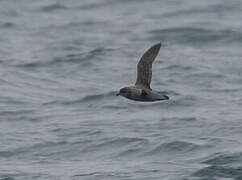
[(61, 63)]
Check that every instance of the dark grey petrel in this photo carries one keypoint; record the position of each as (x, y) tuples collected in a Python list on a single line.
[(141, 91)]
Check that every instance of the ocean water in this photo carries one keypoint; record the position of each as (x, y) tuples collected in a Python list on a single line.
[(61, 63)]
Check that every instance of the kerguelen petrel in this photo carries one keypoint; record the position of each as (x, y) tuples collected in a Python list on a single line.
[(141, 91)]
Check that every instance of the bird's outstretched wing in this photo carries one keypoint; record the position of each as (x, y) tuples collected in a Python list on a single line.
[(144, 67)]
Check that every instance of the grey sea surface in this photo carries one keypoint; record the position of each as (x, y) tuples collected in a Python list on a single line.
[(62, 62)]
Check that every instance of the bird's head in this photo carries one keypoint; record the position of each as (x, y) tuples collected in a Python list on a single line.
[(124, 92)]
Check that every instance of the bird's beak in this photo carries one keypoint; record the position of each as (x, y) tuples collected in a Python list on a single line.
[(117, 94)]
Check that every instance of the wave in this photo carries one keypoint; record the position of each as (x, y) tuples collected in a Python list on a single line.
[(6, 178), (80, 58), (174, 147), (106, 3), (193, 35), (223, 159), (95, 5), (7, 25), (98, 96), (88, 98), (123, 141), (16, 112), (221, 165), (53, 7), (183, 101), (180, 68), (222, 8), (123, 146), (39, 147), (219, 172)]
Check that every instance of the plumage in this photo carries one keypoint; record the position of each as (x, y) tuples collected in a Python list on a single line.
[(144, 67), (142, 91)]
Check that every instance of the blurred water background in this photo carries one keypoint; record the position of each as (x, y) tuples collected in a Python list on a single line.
[(61, 63)]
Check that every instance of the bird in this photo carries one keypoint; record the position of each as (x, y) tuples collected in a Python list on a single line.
[(142, 91)]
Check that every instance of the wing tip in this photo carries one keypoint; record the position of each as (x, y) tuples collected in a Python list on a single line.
[(155, 48), (158, 45)]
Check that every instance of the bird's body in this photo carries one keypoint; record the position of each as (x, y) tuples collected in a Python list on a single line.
[(141, 91)]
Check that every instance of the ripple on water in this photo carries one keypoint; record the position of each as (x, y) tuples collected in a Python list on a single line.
[(53, 7), (219, 172), (174, 147), (7, 25), (85, 58), (222, 166), (118, 147), (86, 99), (223, 159), (192, 35), (6, 178)]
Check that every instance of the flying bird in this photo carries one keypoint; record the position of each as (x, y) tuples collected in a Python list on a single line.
[(141, 91)]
